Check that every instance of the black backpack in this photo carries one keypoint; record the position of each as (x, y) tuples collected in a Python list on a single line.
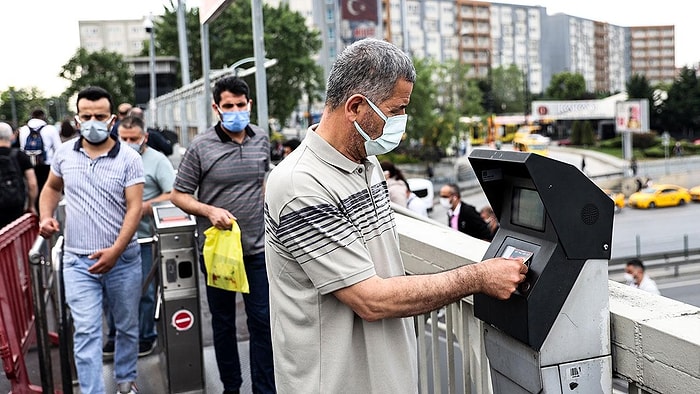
[(34, 146), (12, 191)]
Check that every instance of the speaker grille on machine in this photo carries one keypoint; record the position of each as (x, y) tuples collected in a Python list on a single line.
[(589, 214)]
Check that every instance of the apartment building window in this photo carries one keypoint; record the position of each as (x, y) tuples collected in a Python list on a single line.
[(329, 15), (331, 33)]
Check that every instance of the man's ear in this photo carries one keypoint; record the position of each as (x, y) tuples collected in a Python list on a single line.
[(353, 106)]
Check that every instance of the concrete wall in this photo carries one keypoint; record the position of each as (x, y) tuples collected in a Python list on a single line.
[(655, 340)]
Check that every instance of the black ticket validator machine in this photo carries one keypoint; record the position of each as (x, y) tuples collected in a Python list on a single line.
[(178, 300), (553, 334)]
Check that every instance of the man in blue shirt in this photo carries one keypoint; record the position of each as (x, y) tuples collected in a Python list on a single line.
[(103, 185)]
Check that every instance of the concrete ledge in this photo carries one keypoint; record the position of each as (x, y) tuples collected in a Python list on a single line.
[(655, 340)]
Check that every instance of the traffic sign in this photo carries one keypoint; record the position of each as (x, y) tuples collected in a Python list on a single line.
[(182, 320)]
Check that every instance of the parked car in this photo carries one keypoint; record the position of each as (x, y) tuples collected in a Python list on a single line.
[(662, 195), (618, 199), (695, 193), (423, 188)]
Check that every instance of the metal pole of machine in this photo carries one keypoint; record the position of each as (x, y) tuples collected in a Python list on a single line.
[(148, 24), (204, 33), (182, 40), (260, 73)]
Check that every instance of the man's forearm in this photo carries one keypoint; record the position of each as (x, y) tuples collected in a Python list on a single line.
[(129, 227), (48, 201), (189, 204)]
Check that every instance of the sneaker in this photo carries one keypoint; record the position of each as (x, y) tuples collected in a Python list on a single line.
[(146, 348), (108, 350), (127, 388)]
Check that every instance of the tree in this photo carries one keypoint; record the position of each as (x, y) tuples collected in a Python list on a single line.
[(508, 89), (105, 69), (567, 86), (287, 39), (421, 111), (681, 114), (25, 100)]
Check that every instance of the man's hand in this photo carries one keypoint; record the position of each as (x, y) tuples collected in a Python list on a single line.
[(48, 227), (500, 277), (220, 218), (106, 258)]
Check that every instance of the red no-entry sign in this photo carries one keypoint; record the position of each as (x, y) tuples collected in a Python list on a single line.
[(182, 320)]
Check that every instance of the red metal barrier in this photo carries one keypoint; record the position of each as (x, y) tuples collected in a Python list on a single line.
[(16, 301)]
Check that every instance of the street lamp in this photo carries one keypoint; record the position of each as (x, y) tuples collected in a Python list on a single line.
[(148, 25)]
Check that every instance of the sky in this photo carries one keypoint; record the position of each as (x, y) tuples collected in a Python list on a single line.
[(39, 36)]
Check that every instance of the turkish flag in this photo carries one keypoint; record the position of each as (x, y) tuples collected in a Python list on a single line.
[(360, 10)]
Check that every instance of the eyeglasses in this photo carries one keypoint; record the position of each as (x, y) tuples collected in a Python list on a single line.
[(98, 117)]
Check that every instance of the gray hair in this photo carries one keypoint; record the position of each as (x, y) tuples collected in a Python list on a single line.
[(5, 132), (369, 67)]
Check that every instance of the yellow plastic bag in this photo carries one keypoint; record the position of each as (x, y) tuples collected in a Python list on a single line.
[(223, 259)]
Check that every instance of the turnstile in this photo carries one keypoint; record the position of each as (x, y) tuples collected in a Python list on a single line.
[(553, 334), (178, 300)]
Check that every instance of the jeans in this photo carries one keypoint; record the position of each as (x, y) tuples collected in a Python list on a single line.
[(147, 303), (84, 295), (222, 305)]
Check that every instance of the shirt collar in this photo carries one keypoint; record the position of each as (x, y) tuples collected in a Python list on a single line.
[(225, 137), (329, 154), (112, 152)]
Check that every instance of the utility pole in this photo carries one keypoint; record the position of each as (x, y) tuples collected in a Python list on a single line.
[(182, 40)]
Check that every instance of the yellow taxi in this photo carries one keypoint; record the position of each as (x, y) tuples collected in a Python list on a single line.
[(662, 195), (618, 199), (695, 193)]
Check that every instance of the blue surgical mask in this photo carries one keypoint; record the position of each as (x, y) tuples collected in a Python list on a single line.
[(394, 127), (94, 131), (235, 121), (137, 146)]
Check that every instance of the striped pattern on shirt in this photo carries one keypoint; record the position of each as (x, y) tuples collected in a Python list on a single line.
[(229, 175), (95, 194)]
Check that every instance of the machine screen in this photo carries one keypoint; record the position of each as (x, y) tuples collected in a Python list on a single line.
[(170, 214), (527, 209)]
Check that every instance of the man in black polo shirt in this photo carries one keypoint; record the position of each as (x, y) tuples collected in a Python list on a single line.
[(226, 166)]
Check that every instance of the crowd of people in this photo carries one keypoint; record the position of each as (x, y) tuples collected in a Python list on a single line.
[(321, 267)]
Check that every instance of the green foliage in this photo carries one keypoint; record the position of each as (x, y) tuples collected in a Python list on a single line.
[(654, 151), (106, 69), (681, 111), (644, 140), (287, 39), (508, 89), (566, 86), (25, 101), (588, 135), (576, 133), (422, 117)]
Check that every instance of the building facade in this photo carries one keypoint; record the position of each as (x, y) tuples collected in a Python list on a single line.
[(480, 34)]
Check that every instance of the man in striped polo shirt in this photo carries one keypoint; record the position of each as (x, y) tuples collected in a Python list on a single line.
[(103, 185), (339, 296), (226, 167)]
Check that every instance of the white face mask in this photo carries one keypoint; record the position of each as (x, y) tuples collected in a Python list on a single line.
[(445, 202), (629, 278), (394, 127)]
